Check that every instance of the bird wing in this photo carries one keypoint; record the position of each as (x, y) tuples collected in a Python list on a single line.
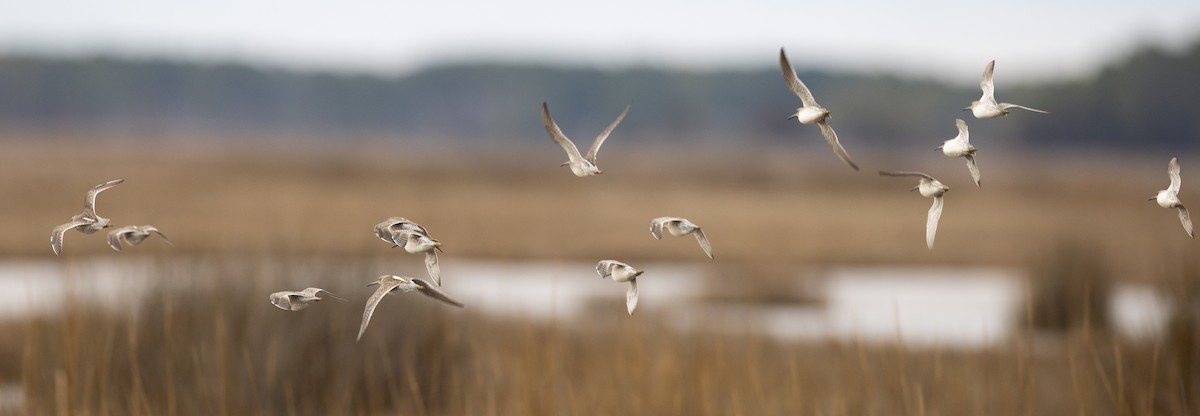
[(89, 202), (151, 229), (831, 137), (558, 136), (412, 226), (116, 236), (704, 244), (973, 167), (56, 236), (591, 154), (1186, 220), (400, 238), (316, 291), (793, 81), (384, 230), (904, 173), (282, 300), (631, 296), (433, 291), (384, 287), (963, 133), (1173, 172), (1011, 105), (604, 268), (935, 213), (986, 84), (431, 264), (656, 226)]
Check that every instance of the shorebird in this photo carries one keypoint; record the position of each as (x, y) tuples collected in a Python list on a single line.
[(1169, 198), (811, 112), (680, 227), (621, 272), (580, 165), (294, 301), (416, 242), (986, 106), (133, 235), (929, 188), (385, 229), (389, 283), (960, 146), (87, 222)]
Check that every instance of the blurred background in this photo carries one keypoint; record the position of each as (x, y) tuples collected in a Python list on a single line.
[(265, 140)]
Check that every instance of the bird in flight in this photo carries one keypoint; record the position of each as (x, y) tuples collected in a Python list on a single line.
[(389, 283), (929, 188), (986, 106), (960, 146), (133, 235), (811, 112), (680, 227), (1169, 198), (87, 222), (294, 301), (580, 165)]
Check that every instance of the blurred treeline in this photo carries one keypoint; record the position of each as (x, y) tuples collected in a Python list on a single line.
[(1144, 101)]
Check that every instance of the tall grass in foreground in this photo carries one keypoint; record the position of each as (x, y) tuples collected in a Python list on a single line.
[(207, 342)]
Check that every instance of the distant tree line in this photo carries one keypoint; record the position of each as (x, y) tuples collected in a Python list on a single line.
[(1148, 100)]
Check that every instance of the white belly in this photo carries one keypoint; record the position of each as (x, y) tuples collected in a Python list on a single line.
[(623, 274), (1167, 200), (584, 169), (956, 148), (414, 246), (929, 189), (810, 115), (986, 110)]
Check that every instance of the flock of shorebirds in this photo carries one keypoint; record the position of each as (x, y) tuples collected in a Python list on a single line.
[(414, 238)]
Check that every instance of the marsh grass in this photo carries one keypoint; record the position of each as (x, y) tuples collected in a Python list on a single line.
[(206, 341), (1071, 285)]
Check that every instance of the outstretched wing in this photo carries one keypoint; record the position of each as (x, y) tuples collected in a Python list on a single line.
[(631, 296), (1186, 220), (704, 244), (963, 133), (904, 173), (935, 213), (591, 154), (373, 301), (150, 229), (434, 292), (1173, 172), (56, 236), (973, 167), (831, 137), (558, 136), (431, 264), (89, 201), (793, 81), (316, 291), (1007, 106), (986, 84)]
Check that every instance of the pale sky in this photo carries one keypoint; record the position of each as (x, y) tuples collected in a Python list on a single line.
[(949, 40)]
